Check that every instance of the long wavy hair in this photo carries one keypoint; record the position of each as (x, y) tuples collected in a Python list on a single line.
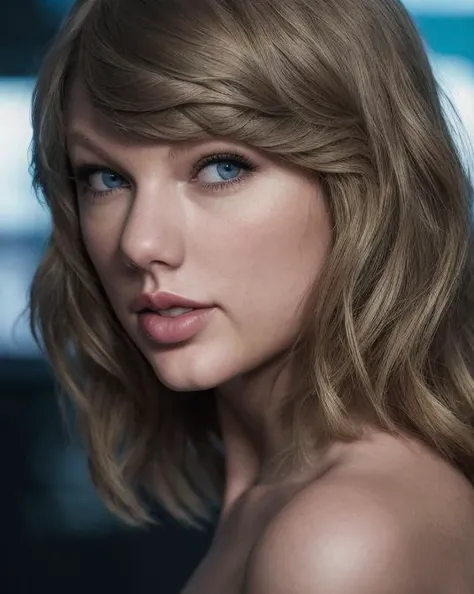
[(343, 90)]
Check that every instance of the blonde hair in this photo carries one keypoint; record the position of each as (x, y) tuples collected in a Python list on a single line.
[(342, 89)]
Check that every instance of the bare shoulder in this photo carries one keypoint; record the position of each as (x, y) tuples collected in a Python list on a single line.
[(393, 518)]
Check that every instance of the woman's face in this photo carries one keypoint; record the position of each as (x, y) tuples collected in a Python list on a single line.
[(239, 232)]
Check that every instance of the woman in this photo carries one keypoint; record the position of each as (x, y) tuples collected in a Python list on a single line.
[(258, 288)]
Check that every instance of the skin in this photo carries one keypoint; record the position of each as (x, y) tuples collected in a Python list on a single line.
[(252, 249)]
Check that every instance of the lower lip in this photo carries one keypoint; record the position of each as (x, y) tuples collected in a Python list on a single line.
[(177, 329)]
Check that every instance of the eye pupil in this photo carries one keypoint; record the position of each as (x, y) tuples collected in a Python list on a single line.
[(110, 179), (227, 169)]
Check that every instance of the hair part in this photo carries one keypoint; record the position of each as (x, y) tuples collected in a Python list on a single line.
[(387, 333)]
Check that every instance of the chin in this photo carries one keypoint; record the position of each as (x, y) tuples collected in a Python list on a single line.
[(187, 372)]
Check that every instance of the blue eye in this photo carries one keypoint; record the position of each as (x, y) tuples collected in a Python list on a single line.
[(216, 172), (110, 179), (230, 168), (99, 181)]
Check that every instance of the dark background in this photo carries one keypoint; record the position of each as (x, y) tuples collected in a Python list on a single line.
[(55, 534)]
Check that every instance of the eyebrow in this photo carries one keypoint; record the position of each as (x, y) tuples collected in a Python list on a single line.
[(80, 139), (179, 149)]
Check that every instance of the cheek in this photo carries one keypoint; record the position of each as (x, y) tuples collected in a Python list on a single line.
[(101, 235), (281, 250), (269, 263)]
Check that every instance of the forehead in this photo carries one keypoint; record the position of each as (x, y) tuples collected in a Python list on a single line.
[(81, 115), (84, 121)]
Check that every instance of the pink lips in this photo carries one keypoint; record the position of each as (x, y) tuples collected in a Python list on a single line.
[(163, 300), (170, 330), (177, 329)]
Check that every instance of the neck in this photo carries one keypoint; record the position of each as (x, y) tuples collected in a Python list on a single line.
[(247, 415)]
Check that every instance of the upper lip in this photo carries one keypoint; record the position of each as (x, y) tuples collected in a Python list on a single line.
[(163, 300)]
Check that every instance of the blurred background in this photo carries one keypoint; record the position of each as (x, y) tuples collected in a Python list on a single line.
[(56, 534)]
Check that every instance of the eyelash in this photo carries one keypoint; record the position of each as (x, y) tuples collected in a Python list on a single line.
[(83, 173)]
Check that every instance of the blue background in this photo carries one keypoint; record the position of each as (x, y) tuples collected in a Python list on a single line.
[(58, 534)]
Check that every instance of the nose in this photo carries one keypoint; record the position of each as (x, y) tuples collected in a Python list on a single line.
[(154, 229)]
